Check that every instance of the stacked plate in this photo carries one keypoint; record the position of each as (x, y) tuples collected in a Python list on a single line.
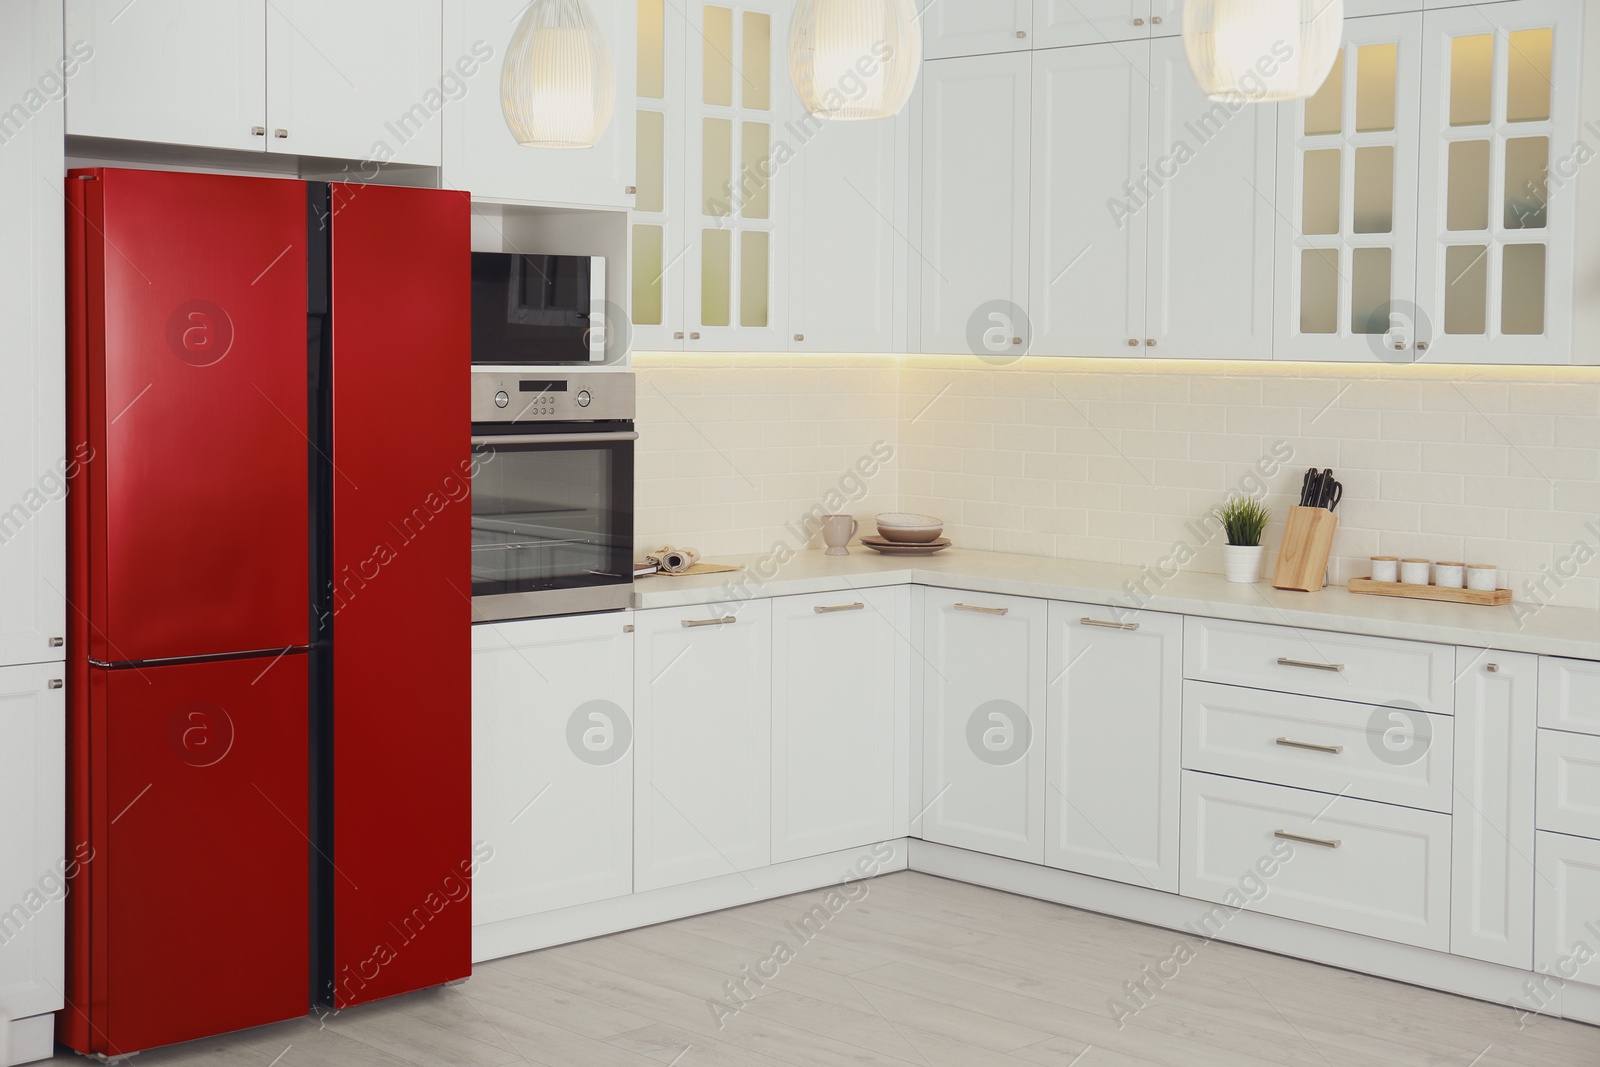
[(901, 534)]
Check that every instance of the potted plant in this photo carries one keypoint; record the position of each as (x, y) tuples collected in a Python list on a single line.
[(1244, 519)]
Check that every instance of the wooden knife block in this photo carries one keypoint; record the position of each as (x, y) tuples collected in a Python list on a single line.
[(1307, 542)]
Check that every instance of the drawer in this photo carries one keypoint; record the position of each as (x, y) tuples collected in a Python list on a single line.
[(1569, 694), (1381, 870), (1367, 670), (1569, 784), (1565, 895), (1375, 753)]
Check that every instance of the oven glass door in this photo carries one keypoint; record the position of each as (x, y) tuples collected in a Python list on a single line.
[(552, 514)]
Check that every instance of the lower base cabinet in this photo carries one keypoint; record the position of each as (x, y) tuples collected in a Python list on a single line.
[(703, 773), (1115, 740), (983, 740), (1374, 869), (841, 720), (1567, 908), (552, 763)]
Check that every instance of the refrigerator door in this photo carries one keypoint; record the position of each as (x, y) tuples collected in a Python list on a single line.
[(200, 873), (187, 340), (401, 615)]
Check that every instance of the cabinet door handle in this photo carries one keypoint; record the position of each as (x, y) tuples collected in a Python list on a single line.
[(1325, 842), (799, 337), (1133, 342), (1138, 22), (694, 336), (1021, 34), (57, 642), (280, 132), (1330, 749), (726, 620), (824, 610), (55, 683), (1285, 661), (258, 131), (1492, 668), (982, 611), (1155, 20), (1109, 625), (632, 190), (677, 335), (1150, 342)]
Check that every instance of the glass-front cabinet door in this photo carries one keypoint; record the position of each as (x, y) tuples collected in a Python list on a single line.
[(1347, 198), (1496, 223), (659, 238)]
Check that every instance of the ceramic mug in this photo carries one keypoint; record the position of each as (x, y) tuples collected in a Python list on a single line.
[(1385, 568), (836, 533), (1414, 572), (1449, 574)]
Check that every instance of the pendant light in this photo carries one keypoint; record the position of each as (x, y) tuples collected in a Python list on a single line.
[(1260, 51), (854, 59), (556, 88)]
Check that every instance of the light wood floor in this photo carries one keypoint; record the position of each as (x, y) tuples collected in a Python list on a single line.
[(920, 971)]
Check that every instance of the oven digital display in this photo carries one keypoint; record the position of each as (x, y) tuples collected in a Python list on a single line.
[(527, 386)]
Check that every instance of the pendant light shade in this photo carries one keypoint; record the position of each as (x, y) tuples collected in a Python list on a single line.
[(556, 88), (1259, 51), (854, 59)]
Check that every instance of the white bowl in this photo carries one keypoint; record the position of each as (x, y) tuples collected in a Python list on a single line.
[(909, 529)]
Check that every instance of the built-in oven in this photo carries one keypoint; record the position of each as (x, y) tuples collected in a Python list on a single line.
[(552, 491), (537, 309)]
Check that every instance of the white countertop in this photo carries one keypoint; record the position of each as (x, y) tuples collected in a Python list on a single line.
[(1554, 631)]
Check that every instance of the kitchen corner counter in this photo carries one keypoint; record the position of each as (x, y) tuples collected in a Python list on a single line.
[(1551, 631)]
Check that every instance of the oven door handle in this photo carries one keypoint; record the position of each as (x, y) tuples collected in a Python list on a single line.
[(553, 438)]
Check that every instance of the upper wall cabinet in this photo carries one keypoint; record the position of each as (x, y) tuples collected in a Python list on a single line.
[(481, 156), (1416, 218), (1067, 22), (714, 106), (975, 27), (359, 79), (975, 173)]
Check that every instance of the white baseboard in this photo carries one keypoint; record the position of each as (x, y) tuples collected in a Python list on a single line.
[(26, 1040), (511, 936)]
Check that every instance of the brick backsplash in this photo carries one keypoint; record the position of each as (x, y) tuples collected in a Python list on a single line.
[(1116, 460)]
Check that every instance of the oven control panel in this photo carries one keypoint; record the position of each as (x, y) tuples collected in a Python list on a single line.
[(544, 394)]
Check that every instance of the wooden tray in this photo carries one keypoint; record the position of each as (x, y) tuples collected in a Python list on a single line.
[(1431, 592)]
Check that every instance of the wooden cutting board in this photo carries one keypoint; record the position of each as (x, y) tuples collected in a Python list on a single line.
[(1307, 542)]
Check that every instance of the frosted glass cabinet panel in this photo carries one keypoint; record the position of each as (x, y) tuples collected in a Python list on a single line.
[(1346, 201), (1495, 249)]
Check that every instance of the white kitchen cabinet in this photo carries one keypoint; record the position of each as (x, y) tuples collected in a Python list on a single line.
[(976, 136), (1347, 201), (35, 456), (1569, 783), (1565, 931), (1495, 235), (1088, 251), (34, 857), (974, 27), (659, 231), (190, 72), (1073, 22), (984, 722), (841, 720), (1209, 239), (702, 774), (1114, 730), (480, 154), (552, 755), (1569, 694), (847, 216), (1496, 726), (359, 79)]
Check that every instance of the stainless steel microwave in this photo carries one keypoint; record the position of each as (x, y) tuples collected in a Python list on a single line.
[(534, 310)]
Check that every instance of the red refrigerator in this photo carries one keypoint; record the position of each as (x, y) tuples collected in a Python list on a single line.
[(269, 718)]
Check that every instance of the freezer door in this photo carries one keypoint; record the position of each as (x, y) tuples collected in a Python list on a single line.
[(188, 343), (200, 872), (401, 614)]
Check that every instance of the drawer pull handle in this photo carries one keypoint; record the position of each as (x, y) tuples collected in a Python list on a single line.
[(1325, 842), (1492, 668), (1331, 749), (726, 620), (982, 611), (1109, 625), (1285, 661), (824, 610)]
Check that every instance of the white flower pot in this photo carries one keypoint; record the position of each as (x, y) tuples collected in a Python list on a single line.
[(1243, 562)]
